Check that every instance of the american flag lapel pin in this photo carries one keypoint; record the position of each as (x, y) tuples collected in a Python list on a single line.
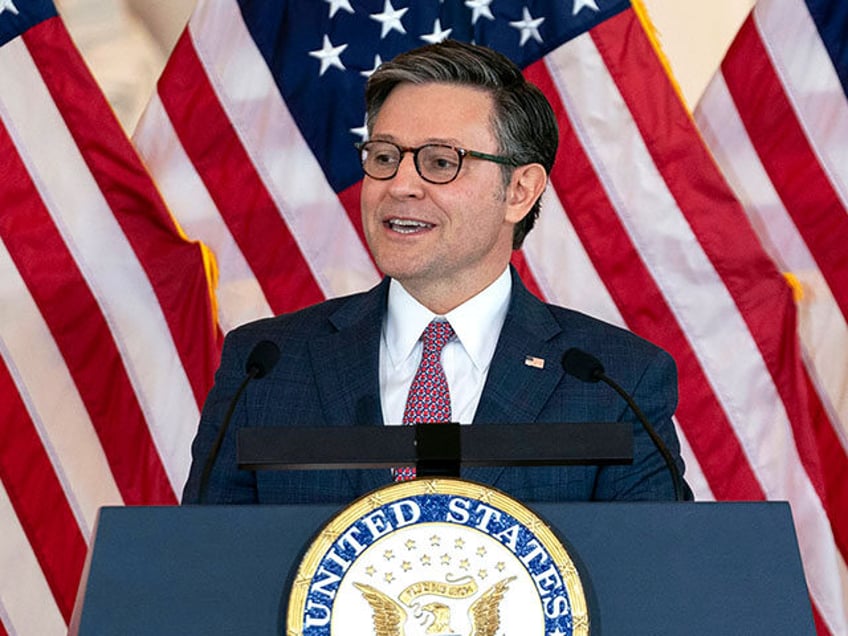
[(533, 361)]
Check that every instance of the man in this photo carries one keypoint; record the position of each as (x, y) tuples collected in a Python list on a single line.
[(459, 151)]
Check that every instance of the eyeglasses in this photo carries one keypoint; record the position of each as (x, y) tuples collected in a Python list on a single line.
[(436, 163)]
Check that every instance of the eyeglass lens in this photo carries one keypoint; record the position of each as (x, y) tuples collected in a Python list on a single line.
[(434, 162)]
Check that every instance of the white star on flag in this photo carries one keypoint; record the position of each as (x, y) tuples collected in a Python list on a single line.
[(529, 27), (335, 5), (437, 35), (362, 131), (390, 18), (370, 72), (8, 4), (579, 5), (329, 55), (478, 8)]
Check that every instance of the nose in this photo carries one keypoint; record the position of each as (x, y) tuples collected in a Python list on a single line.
[(406, 182)]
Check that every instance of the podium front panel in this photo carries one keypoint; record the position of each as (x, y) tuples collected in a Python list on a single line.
[(647, 568)]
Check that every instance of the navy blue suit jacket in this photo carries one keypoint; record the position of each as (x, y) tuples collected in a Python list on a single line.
[(327, 375)]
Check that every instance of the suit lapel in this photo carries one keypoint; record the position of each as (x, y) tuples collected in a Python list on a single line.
[(346, 368), (346, 362), (525, 368), (526, 365)]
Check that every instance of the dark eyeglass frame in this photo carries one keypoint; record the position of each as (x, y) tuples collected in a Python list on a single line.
[(461, 153)]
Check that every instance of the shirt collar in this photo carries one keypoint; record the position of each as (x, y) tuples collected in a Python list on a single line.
[(477, 322)]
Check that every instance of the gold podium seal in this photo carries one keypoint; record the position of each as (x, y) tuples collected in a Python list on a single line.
[(436, 557)]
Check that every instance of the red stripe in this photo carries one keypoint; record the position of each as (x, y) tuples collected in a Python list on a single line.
[(349, 198), (173, 265), (80, 332), (644, 308), (821, 627), (759, 291), (228, 174), (788, 158), (519, 261), (38, 499)]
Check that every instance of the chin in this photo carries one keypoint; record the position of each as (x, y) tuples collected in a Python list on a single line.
[(397, 264), (399, 273)]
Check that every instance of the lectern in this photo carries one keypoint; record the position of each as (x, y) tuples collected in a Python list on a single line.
[(646, 568)]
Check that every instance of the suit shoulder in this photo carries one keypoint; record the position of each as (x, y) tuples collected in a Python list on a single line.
[(311, 321), (602, 338)]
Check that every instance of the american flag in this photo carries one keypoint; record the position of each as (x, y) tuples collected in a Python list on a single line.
[(250, 140), (250, 137), (107, 333), (776, 118)]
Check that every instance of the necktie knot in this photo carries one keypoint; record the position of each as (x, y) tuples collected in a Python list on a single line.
[(437, 334)]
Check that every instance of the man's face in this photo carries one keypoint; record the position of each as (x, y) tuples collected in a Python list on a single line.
[(448, 241)]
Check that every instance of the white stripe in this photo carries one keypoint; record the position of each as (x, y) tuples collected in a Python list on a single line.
[(727, 138), (561, 266), (824, 339), (48, 390), (810, 81), (694, 474), (697, 297), (240, 296), (50, 395), (565, 276), (337, 258), (665, 241), (822, 327), (104, 257), (27, 605)]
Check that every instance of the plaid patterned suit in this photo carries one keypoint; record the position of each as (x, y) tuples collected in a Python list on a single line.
[(328, 376)]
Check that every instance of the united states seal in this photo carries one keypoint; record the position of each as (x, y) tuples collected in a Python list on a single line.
[(437, 557)]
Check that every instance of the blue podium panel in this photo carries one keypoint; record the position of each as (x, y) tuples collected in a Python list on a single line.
[(194, 569), (688, 569), (647, 568)]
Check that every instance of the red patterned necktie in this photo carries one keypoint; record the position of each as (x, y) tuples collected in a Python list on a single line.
[(429, 398)]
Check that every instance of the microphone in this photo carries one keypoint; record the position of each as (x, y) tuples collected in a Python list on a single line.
[(263, 357), (587, 368)]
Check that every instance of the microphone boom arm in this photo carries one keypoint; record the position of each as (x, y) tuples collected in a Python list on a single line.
[(652, 433), (587, 368)]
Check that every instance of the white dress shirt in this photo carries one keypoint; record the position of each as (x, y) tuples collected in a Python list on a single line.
[(466, 358)]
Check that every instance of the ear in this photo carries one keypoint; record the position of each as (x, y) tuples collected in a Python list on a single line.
[(527, 184)]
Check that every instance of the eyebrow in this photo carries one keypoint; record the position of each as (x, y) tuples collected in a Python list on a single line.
[(431, 140)]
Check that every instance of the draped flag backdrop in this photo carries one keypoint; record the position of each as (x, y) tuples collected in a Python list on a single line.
[(250, 141), (776, 118), (251, 134), (107, 334)]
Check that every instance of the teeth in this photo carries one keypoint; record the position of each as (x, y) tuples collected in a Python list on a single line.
[(407, 226)]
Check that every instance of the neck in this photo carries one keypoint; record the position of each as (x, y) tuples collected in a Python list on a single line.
[(446, 295)]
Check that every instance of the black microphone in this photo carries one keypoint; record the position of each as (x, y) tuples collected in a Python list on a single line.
[(586, 367), (263, 357)]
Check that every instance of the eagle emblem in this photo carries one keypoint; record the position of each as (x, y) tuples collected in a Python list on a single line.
[(482, 615)]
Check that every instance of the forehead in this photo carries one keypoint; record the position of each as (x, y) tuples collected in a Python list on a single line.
[(416, 113)]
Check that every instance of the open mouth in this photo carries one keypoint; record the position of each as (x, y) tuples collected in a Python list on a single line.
[(407, 226)]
